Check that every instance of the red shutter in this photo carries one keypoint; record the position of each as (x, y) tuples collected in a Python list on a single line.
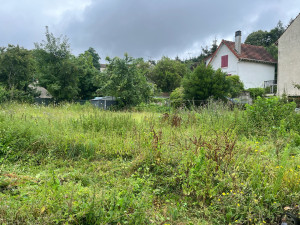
[(224, 61)]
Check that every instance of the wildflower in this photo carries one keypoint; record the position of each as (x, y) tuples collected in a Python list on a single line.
[(256, 142), (256, 150), (223, 193), (275, 202), (219, 199), (238, 205)]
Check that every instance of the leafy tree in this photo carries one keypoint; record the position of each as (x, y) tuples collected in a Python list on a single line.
[(87, 74), (205, 82), (273, 50), (123, 80), (258, 38), (167, 74), (16, 69), (267, 39), (58, 71), (236, 86), (95, 57)]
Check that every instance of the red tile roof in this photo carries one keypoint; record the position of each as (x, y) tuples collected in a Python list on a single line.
[(248, 53)]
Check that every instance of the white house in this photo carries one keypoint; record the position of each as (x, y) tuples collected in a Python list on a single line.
[(289, 60), (253, 64)]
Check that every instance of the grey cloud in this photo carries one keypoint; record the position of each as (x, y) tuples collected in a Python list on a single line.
[(168, 27), (143, 28)]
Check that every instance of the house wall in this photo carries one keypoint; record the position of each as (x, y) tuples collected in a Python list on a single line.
[(232, 61), (251, 74), (254, 74), (289, 60)]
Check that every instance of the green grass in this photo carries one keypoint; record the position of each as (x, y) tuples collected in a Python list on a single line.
[(73, 164)]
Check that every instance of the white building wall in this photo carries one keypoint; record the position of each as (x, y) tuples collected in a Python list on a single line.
[(254, 74), (232, 61), (289, 60), (251, 74)]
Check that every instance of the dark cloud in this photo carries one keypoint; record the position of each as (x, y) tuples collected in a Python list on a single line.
[(142, 28)]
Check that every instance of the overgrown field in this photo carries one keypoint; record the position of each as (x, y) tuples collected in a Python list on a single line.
[(75, 164)]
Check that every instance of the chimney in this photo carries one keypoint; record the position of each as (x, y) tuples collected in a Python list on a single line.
[(238, 42)]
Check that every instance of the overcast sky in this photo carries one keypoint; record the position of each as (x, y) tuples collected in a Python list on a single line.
[(143, 28)]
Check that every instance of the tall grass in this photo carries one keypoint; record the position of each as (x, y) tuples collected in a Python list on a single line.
[(72, 164)]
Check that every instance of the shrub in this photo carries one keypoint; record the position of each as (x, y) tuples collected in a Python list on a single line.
[(205, 82), (269, 112), (177, 97), (256, 92), (236, 86), (3, 94)]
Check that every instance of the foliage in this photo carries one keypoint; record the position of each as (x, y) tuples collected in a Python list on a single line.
[(273, 50), (177, 97), (297, 86), (204, 82), (74, 164), (257, 38), (167, 74), (87, 73), (58, 71), (3, 94), (256, 92), (16, 70), (265, 38), (125, 81), (269, 112), (236, 86), (95, 57)]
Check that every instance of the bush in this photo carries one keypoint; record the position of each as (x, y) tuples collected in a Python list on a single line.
[(3, 94), (269, 112), (177, 97), (256, 92), (205, 82), (236, 86)]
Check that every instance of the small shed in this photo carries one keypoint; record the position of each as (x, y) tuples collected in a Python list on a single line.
[(104, 102)]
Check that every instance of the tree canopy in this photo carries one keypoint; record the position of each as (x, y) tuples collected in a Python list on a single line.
[(265, 38), (205, 82), (16, 69), (124, 80), (95, 57), (167, 74), (58, 71)]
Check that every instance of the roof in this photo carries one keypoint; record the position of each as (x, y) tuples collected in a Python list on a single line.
[(108, 98), (248, 53), (288, 27)]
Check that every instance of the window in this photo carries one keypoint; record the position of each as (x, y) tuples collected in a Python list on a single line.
[(224, 61)]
